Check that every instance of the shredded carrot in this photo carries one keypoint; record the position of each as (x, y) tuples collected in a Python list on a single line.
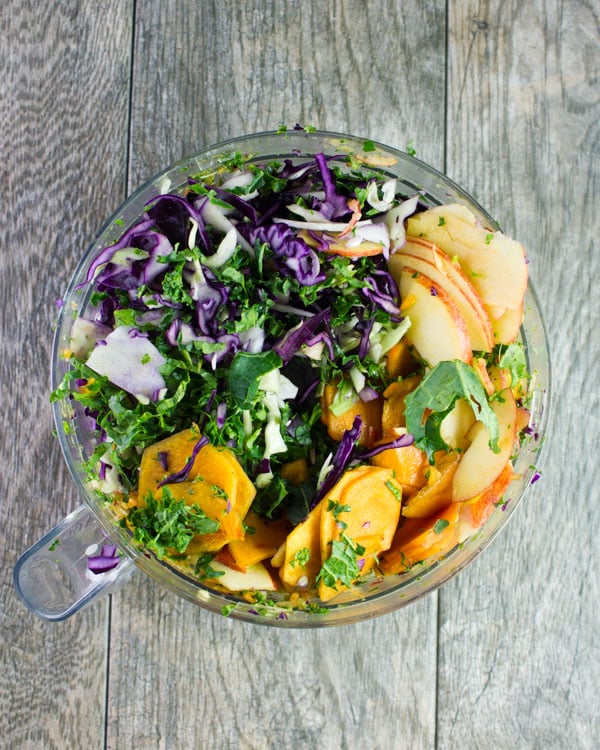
[(356, 214), (359, 251)]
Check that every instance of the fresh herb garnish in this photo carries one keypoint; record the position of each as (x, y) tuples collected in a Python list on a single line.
[(167, 524), (301, 558), (342, 565), (337, 509)]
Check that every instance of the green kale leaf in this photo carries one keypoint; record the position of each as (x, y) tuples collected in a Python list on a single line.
[(436, 394), (246, 370)]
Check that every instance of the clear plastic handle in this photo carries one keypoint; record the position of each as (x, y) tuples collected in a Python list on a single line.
[(52, 577)]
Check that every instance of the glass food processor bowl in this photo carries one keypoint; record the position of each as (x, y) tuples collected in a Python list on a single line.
[(53, 577)]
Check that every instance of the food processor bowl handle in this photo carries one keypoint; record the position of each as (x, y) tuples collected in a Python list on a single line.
[(52, 578)]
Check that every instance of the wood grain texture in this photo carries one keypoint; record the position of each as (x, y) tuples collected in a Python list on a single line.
[(519, 646), (208, 71), (185, 678), (180, 677), (63, 109)]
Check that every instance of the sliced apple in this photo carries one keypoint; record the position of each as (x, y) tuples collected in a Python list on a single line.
[(456, 425), (438, 331), (426, 258), (495, 264), (255, 578), (475, 512), (506, 326), (480, 466)]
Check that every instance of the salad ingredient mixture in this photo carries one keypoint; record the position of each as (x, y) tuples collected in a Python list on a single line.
[(298, 378)]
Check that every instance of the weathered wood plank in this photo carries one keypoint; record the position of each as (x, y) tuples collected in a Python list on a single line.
[(519, 646), (185, 678), (203, 72), (206, 73), (63, 109)]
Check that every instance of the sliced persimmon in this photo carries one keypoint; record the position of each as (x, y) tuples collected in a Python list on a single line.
[(419, 539)]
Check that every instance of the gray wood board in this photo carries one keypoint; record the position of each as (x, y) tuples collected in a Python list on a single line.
[(93, 100), (64, 110), (519, 646)]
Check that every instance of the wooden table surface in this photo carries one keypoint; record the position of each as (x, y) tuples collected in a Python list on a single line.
[(503, 96)]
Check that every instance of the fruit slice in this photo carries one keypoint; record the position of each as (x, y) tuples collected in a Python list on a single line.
[(456, 425), (366, 513), (261, 541), (392, 415), (438, 331), (506, 325), (475, 512), (418, 539), (480, 466), (494, 263), (426, 258), (437, 493), (302, 557), (216, 506), (255, 578), (409, 465), (337, 425)]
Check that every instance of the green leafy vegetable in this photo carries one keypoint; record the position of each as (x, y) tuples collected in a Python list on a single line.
[(300, 558), (337, 509), (437, 394), (203, 568), (166, 523), (342, 565), (512, 358), (246, 370)]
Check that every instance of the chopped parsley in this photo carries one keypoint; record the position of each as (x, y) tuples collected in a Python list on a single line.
[(301, 558), (342, 564), (168, 524)]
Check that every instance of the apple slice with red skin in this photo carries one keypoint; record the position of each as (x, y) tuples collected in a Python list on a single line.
[(479, 467), (437, 331), (495, 264), (426, 258), (506, 326), (475, 512)]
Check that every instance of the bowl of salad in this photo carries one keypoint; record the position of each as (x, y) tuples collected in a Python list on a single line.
[(299, 378)]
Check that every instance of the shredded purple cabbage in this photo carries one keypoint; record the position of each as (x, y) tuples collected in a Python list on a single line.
[(341, 458), (400, 442), (105, 561), (335, 205), (182, 474), (171, 214), (300, 335), (295, 257)]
